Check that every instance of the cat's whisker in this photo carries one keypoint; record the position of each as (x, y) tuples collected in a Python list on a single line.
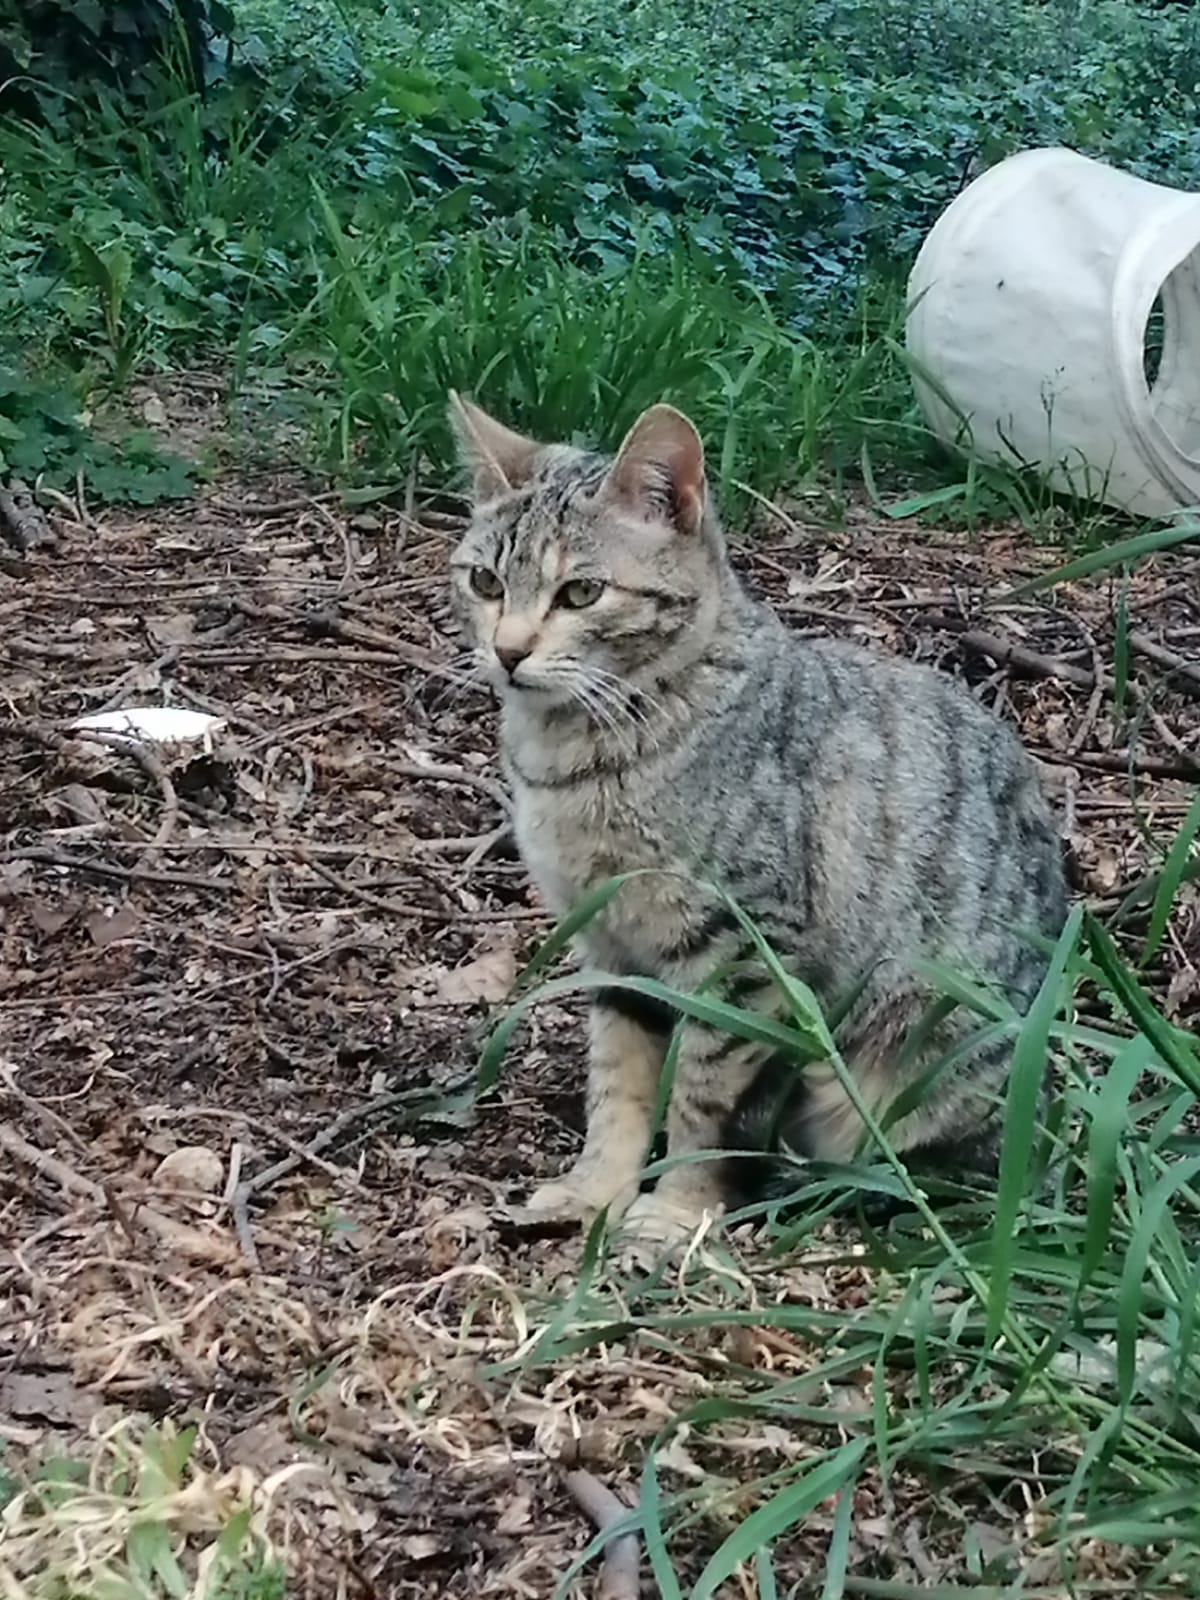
[(594, 703), (639, 700), (617, 698)]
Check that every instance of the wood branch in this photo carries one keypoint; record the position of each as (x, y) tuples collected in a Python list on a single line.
[(1185, 675), (1186, 769), (1008, 653), (619, 1574), (192, 1242)]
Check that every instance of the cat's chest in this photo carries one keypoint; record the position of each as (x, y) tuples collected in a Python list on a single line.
[(572, 841)]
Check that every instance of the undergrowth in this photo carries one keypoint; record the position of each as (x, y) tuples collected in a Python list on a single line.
[(1031, 1350), (565, 212), (145, 1516)]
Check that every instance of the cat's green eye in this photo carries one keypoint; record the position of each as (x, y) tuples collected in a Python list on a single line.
[(486, 584), (579, 592)]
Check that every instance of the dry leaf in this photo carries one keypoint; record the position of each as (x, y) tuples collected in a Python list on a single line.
[(514, 1517), (422, 1547), (488, 978), (179, 629), (194, 1167), (48, 1396), (78, 802), (107, 926), (49, 919)]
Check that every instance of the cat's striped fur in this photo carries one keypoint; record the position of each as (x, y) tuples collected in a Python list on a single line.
[(865, 811)]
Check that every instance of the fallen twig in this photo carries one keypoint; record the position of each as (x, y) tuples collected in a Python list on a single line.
[(302, 1153), (619, 1574), (1008, 653), (189, 1241), (1186, 769), (145, 758), (109, 869), (1185, 674)]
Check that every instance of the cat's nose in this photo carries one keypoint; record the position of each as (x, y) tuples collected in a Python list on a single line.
[(510, 657)]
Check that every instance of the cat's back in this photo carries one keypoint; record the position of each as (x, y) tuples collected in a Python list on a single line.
[(900, 803)]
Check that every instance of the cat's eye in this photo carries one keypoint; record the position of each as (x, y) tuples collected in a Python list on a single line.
[(486, 584), (579, 592)]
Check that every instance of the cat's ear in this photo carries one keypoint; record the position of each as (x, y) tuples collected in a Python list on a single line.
[(659, 470), (498, 459)]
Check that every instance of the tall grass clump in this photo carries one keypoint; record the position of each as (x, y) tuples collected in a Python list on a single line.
[(1031, 1352), (566, 353), (746, 184), (1028, 1351)]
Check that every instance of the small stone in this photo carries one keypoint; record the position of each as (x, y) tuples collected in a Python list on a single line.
[(192, 1166)]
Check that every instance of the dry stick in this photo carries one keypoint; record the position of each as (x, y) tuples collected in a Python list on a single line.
[(1186, 672), (122, 744), (109, 869), (249, 1187), (151, 766), (441, 773), (275, 508), (619, 1574), (405, 908), (8, 1074), (1185, 769), (190, 1241), (1008, 653)]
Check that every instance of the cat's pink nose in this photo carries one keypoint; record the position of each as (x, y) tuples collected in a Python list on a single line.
[(510, 657)]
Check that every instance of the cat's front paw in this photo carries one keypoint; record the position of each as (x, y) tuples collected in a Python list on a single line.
[(575, 1199), (661, 1225)]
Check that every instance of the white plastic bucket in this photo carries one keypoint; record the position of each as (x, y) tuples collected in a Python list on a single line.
[(1028, 309)]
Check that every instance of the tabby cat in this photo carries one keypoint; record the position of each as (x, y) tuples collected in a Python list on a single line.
[(865, 811)]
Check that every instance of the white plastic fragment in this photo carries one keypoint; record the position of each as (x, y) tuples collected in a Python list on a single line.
[(154, 725)]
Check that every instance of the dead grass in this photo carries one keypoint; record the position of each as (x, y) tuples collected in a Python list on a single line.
[(390, 1383)]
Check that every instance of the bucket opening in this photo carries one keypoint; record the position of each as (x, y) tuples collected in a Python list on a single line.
[(1152, 343), (1171, 356)]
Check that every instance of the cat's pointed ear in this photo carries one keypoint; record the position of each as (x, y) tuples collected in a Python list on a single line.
[(659, 470), (498, 459)]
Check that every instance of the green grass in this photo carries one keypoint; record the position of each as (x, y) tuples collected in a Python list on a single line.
[(1030, 1351), (144, 1517), (566, 212), (572, 213), (1040, 1335)]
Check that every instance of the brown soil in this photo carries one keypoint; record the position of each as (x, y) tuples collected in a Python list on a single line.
[(288, 951)]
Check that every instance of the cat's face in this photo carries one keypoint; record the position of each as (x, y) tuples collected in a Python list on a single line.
[(579, 578)]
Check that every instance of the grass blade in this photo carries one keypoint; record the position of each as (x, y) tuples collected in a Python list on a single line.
[(1113, 555), (652, 1533), (1133, 1278), (1172, 1044), (1178, 859), (839, 1547), (1110, 1120), (1020, 1119), (832, 1475)]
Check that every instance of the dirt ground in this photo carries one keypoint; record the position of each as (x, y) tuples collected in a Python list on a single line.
[(272, 966)]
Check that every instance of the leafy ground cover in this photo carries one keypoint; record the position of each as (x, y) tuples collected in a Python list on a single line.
[(370, 202), (264, 1325)]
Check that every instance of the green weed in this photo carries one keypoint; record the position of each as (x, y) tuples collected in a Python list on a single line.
[(358, 187), (1036, 1345)]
